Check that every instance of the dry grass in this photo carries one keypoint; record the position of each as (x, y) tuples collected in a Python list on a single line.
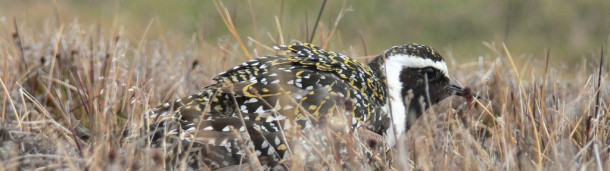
[(69, 93)]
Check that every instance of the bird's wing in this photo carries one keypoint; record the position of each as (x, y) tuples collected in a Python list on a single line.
[(260, 97)]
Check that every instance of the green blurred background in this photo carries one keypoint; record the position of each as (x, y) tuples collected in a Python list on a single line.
[(570, 29)]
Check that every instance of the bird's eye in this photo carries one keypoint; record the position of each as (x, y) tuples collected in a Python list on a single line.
[(429, 72)]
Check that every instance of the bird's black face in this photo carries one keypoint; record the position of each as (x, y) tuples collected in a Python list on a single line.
[(425, 86), (417, 77)]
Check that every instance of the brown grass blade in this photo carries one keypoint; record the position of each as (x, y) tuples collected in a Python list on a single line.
[(226, 18)]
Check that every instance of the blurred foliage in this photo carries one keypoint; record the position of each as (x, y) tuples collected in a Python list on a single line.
[(570, 29)]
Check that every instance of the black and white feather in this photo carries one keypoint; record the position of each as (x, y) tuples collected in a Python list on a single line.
[(248, 108)]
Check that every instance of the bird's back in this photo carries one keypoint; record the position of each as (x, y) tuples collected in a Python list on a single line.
[(253, 104)]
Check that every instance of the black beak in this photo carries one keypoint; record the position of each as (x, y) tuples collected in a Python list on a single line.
[(454, 89)]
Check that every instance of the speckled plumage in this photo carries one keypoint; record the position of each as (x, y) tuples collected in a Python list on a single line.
[(263, 96)]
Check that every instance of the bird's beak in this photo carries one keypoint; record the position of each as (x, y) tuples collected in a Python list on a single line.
[(455, 89)]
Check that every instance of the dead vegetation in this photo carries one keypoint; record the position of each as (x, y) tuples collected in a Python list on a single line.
[(69, 94)]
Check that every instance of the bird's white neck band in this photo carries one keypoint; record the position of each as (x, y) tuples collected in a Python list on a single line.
[(394, 66)]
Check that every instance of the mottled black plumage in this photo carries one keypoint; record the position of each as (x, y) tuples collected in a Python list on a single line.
[(266, 95)]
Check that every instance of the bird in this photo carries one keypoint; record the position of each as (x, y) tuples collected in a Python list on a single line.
[(248, 109)]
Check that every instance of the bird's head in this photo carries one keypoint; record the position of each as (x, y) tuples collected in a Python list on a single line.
[(417, 77)]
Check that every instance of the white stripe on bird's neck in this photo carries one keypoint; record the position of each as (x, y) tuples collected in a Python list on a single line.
[(394, 66)]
